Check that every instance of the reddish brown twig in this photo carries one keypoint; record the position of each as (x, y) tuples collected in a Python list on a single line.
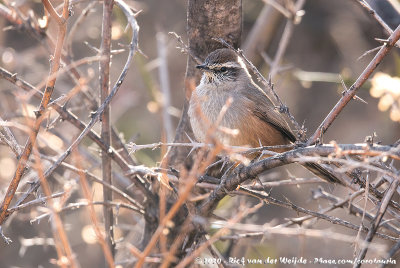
[(9, 15), (62, 28), (373, 13), (86, 192), (122, 157), (95, 116), (351, 92), (62, 244), (203, 160)]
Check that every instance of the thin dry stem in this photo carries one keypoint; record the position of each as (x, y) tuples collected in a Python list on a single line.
[(349, 94), (62, 28), (104, 71)]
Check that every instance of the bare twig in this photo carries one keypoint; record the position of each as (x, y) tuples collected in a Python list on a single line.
[(287, 33), (87, 129), (352, 208), (100, 110), (75, 205), (9, 138), (35, 202), (68, 116), (9, 15), (392, 252), (285, 12), (262, 32), (349, 94), (185, 48), (190, 179), (62, 244), (264, 230), (92, 177), (244, 173), (104, 70), (86, 192), (164, 86), (318, 215), (373, 13), (62, 28), (186, 261), (375, 224), (85, 12)]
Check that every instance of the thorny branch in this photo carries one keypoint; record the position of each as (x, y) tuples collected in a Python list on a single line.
[(373, 13), (351, 92), (350, 159), (86, 129), (244, 173), (62, 28)]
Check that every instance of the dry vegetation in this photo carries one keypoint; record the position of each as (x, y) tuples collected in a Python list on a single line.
[(96, 170)]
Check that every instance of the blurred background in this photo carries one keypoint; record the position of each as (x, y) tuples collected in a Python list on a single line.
[(325, 46)]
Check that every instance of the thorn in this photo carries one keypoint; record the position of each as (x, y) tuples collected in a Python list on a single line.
[(225, 160), (383, 41), (137, 13), (95, 49), (190, 139), (368, 52), (191, 151), (343, 83), (142, 53), (359, 99), (5, 238)]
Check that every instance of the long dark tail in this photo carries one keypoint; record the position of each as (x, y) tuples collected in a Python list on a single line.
[(322, 172)]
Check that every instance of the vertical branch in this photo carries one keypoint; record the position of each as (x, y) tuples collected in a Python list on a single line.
[(92, 213), (61, 241), (287, 33), (190, 180), (164, 86), (375, 224), (105, 119), (262, 33), (62, 29), (167, 130)]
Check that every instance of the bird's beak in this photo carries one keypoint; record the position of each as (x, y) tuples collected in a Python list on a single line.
[(203, 67)]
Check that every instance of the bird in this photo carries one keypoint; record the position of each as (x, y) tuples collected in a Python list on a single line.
[(251, 112)]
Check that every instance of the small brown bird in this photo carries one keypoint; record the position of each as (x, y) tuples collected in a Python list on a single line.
[(251, 112)]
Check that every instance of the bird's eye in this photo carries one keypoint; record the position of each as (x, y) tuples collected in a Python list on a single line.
[(223, 69)]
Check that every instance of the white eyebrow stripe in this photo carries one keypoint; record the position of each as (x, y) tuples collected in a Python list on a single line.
[(230, 64), (241, 63)]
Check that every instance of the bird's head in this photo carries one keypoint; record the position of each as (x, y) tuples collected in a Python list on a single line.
[(222, 65)]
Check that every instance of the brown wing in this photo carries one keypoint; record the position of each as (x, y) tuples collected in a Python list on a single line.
[(267, 114), (265, 111)]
